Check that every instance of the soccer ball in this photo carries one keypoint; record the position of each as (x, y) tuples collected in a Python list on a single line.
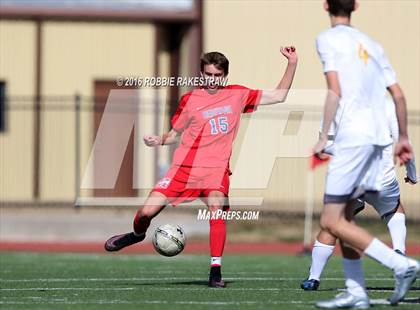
[(169, 240)]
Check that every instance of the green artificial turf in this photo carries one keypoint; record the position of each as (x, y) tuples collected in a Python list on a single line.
[(96, 281)]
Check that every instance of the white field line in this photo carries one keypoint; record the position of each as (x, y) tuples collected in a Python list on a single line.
[(140, 288), (67, 289), (215, 303), (386, 302), (159, 289), (176, 278)]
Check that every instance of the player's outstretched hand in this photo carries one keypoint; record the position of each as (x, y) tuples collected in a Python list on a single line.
[(152, 140), (403, 150), (290, 53)]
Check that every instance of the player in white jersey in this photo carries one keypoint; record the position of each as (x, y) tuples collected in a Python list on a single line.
[(386, 203), (358, 74)]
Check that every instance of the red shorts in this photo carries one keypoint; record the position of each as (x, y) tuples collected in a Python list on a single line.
[(182, 184)]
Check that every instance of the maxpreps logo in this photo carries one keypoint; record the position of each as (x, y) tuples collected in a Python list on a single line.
[(275, 131), (206, 215)]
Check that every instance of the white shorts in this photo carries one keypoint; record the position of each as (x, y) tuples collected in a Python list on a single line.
[(385, 202), (352, 172)]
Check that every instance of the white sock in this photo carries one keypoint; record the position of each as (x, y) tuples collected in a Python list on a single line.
[(397, 230), (355, 280), (380, 252), (320, 255), (216, 261)]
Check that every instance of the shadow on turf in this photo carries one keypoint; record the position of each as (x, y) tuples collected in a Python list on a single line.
[(204, 283), (201, 283), (198, 282), (324, 290)]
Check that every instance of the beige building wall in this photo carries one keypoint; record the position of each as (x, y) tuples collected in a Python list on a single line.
[(75, 55), (17, 65), (250, 33)]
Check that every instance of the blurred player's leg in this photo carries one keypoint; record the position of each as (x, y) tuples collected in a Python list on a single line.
[(154, 204), (353, 267), (397, 229), (321, 252), (405, 270), (216, 203), (387, 204), (353, 270), (362, 168), (355, 296), (395, 219)]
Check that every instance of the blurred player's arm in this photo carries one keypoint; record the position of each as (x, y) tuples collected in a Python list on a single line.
[(327, 54), (279, 94), (171, 137), (410, 166), (403, 149), (401, 109), (330, 109)]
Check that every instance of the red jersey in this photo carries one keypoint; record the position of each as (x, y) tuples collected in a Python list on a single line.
[(209, 124)]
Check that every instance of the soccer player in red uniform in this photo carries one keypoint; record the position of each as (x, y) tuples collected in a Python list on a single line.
[(207, 120)]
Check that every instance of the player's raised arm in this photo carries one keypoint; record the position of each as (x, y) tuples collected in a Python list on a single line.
[(171, 137), (279, 94), (330, 109)]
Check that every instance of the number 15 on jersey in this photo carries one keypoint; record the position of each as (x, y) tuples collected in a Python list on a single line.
[(219, 124)]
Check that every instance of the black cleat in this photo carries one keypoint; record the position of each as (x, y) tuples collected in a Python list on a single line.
[(217, 283), (215, 279), (118, 242), (309, 285)]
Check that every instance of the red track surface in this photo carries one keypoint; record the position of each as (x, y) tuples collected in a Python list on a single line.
[(146, 248)]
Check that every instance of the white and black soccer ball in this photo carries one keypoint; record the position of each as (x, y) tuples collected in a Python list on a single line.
[(169, 240)]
